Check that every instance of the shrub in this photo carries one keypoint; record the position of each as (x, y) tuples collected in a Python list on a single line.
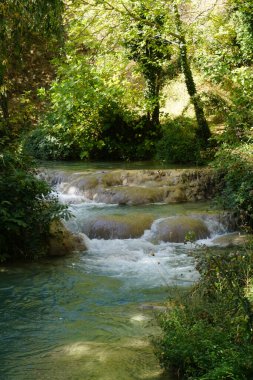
[(235, 165), (179, 143), (120, 137), (45, 145), (208, 334), (126, 138), (26, 209), (88, 118), (215, 106)]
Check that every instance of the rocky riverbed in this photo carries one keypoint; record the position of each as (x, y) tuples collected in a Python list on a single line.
[(136, 187)]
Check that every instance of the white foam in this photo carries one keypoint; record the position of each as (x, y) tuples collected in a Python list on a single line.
[(141, 262), (138, 262), (71, 198), (214, 225)]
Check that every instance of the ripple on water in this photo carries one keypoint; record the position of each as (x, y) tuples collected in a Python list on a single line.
[(79, 317)]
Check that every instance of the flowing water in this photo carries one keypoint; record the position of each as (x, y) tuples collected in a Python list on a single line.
[(90, 316)]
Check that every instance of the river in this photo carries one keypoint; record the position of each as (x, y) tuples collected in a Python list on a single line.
[(91, 315)]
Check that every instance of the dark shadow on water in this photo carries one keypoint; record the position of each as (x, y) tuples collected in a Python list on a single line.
[(85, 165)]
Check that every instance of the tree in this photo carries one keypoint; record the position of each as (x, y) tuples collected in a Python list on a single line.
[(225, 57), (144, 38), (151, 32), (203, 131), (29, 31), (119, 55), (242, 15), (137, 30)]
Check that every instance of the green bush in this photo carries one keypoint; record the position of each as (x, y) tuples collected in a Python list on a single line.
[(44, 145), (120, 138), (179, 143), (88, 119), (216, 107), (26, 209), (208, 333), (235, 165), (126, 138)]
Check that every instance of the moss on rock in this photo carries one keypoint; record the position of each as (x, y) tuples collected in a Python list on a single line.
[(119, 226), (175, 229), (130, 195), (62, 242)]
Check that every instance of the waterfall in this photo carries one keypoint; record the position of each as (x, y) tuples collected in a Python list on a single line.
[(141, 242), (96, 306)]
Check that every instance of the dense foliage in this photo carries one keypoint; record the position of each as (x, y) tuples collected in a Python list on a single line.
[(235, 165), (29, 32), (29, 38), (179, 143), (208, 333), (107, 98), (89, 119), (27, 209)]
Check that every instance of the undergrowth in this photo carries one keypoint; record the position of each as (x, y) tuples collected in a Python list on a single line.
[(208, 333)]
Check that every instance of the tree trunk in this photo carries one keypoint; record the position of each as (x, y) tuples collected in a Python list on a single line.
[(152, 94), (4, 107), (203, 131), (156, 109), (155, 118)]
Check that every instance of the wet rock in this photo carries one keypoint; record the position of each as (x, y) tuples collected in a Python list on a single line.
[(118, 226), (87, 183), (62, 242), (176, 194), (113, 178), (135, 187), (127, 358), (175, 229), (130, 195), (231, 240)]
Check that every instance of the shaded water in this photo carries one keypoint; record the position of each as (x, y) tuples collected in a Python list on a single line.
[(63, 321), (91, 166), (86, 316)]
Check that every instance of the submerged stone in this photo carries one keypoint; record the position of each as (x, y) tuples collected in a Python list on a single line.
[(232, 239), (127, 358), (130, 195), (175, 229), (118, 226)]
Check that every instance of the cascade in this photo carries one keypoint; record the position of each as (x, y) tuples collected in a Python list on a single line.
[(132, 239), (88, 316)]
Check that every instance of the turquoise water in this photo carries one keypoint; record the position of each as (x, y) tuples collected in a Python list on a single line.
[(58, 320), (88, 316)]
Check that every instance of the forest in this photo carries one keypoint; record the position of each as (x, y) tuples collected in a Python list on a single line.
[(136, 80)]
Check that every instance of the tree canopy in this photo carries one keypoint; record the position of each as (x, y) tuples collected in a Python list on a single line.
[(29, 33)]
